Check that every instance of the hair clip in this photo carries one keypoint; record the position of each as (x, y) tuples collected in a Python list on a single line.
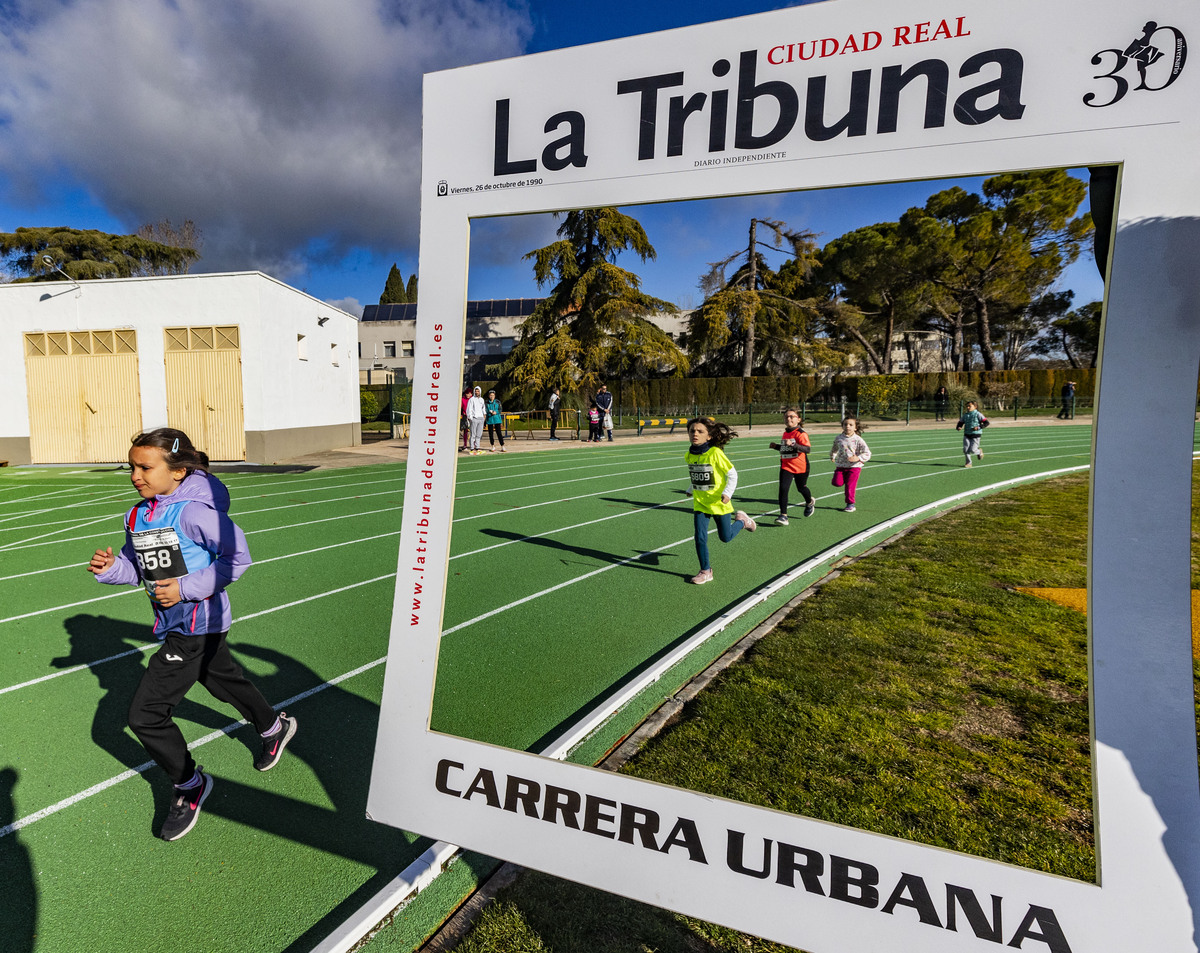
[(175, 446)]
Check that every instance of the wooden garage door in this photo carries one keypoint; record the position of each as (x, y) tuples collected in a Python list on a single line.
[(204, 388), (84, 397)]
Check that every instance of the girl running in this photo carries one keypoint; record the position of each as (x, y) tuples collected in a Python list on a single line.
[(182, 546), (793, 450), (713, 482), (848, 455)]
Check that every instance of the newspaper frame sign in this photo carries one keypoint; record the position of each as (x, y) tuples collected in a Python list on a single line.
[(847, 92)]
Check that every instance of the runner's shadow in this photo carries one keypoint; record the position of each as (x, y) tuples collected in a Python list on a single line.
[(642, 561), (335, 737), (18, 913), (109, 648), (338, 747)]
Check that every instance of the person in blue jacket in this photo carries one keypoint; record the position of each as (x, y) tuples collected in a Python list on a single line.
[(182, 546), (494, 421)]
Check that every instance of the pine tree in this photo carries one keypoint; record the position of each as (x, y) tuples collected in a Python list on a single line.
[(594, 321), (87, 253), (393, 290)]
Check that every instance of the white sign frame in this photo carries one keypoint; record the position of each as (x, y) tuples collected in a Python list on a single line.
[(512, 137)]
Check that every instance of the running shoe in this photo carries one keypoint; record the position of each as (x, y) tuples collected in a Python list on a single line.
[(703, 576), (850, 508), (273, 745), (751, 526), (781, 519), (809, 508), (185, 808)]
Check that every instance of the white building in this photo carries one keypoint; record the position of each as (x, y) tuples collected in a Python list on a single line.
[(913, 352), (387, 331), (250, 368)]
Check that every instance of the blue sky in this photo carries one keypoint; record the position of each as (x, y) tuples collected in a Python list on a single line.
[(290, 133), (687, 236)]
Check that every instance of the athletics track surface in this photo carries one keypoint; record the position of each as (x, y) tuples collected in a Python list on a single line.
[(567, 577)]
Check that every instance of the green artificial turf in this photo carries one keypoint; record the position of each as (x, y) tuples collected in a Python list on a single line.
[(916, 695)]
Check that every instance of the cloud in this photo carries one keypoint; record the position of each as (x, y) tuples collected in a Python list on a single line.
[(288, 131), (349, 305)]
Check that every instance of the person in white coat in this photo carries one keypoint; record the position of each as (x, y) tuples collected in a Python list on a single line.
[(476, 415)]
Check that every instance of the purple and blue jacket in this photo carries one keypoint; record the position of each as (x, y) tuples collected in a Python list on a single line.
[(187, 535)]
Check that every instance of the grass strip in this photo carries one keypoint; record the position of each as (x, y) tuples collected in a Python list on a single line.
[(918, 694)]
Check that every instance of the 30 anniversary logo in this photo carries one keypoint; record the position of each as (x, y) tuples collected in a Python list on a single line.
[(1156, 57)]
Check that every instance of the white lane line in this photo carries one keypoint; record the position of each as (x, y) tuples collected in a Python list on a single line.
[(199, 742), (578, 732), (920, 476), (72, 605), (79, 668), (585, 726), (319, 595), (37, 540)]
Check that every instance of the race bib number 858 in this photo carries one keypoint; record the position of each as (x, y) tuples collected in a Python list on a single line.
[(158, 553)]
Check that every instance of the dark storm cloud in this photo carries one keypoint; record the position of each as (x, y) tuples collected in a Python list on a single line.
[(288, 131)]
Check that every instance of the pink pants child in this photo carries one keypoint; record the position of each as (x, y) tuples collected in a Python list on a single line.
[(848, 477)]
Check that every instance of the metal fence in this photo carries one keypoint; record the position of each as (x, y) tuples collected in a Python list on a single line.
[(770, 415)]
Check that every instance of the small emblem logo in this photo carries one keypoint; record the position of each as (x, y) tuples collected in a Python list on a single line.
[(1157, 56)]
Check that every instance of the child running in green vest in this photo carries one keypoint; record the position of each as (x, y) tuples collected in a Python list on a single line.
[(714, 481)]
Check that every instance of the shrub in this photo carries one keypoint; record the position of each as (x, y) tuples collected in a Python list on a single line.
[(368, 404), (883, 395)]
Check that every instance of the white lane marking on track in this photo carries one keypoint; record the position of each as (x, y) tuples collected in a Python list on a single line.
[(39, 496), (72, 605), (25, 544), (876, 468), (95, 500), (587, 724), (319, 595), (688, 539), (79, 668), (607, 706), (199, 742)]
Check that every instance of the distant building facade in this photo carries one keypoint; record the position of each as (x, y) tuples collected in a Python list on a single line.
[(387, 331), (913, 352)]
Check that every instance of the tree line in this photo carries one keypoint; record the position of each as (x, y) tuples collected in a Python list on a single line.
[(981, 268), (50, 253)]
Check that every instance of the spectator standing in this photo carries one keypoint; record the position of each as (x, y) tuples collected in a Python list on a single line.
[(1068, 401), (594, 422), (476, 415), (941, 400), (494, 421), (555, 408), (604, 402), (464, 425)]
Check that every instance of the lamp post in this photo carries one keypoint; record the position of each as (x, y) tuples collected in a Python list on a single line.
[(50, 262)]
